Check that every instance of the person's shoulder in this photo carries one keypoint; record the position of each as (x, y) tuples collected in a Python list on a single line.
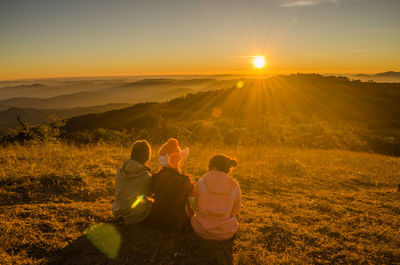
[(185, 177), (237, 186), (234, 182), (157, 174)]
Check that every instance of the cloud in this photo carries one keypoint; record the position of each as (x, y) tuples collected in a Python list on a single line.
[(306, 3)]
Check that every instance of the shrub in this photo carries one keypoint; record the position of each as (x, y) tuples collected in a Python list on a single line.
[(235, 136), (34, 133), (205, 131), (101, 135)]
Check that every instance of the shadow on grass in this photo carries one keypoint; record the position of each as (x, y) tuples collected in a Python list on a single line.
[(140, 245)]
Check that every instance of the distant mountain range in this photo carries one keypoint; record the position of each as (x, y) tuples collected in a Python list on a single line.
[(328, 98), (96, 96), (8, 118), (291, 93), (43, 88), (80, 99), (390, 75), (125, 92)]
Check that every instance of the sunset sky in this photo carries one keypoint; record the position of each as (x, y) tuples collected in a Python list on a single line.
[(50, 38)]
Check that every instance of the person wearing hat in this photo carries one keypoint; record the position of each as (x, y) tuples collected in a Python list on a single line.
[(171, 190), (132, 186), (217, 201)]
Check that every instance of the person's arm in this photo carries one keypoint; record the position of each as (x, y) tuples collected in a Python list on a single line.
[(154, 185), (148, 190), (195, 199), (237, 202), (190, 200), (153, 182)]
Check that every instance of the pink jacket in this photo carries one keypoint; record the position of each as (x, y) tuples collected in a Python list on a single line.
[(217, 202)]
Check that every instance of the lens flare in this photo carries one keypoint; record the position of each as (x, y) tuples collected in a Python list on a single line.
[(138, 200), (106, 238), (216, 112), (259, 62)]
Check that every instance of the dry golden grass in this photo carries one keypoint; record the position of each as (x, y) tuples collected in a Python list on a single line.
[(299, 207)]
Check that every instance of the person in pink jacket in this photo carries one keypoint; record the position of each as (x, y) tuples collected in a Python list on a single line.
[(217, 201)]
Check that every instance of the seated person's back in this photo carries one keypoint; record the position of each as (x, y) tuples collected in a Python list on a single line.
[(171, 191), (132, 185), (217, 201)]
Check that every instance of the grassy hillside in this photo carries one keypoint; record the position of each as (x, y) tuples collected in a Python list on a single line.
[(299, 207)]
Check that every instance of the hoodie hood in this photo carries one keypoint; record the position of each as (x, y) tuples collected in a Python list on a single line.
[(219, 182), (133, 168)]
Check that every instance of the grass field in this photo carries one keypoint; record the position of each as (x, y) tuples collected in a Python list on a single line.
[(299, 207)]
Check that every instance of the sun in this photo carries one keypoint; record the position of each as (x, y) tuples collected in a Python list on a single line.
[(259, 62)]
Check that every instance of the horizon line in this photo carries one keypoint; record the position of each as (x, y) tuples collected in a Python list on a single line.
[(215, 73)]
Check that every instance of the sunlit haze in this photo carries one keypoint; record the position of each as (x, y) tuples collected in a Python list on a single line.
[(50, 38)]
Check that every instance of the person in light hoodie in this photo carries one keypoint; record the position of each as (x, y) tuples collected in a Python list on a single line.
[(132, 186), (217, 201)]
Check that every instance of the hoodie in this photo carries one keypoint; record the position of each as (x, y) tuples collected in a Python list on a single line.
[(217, 202), (132, 185)]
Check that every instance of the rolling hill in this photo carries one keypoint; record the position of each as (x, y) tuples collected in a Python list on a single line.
[(31, 89), (308, 111), (45, 88), (100, 94), (302, 110), (390, 76), (328, 98), (80, 99), (8, 117)]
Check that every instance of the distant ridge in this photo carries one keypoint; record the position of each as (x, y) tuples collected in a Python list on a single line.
[(80, 99), (327, 97), (22, 87), (8, 117), (389, 74), (145, 90), (29, 89)]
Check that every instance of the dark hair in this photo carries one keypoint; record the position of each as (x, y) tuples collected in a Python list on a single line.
[(222, 163), (141, 151)]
